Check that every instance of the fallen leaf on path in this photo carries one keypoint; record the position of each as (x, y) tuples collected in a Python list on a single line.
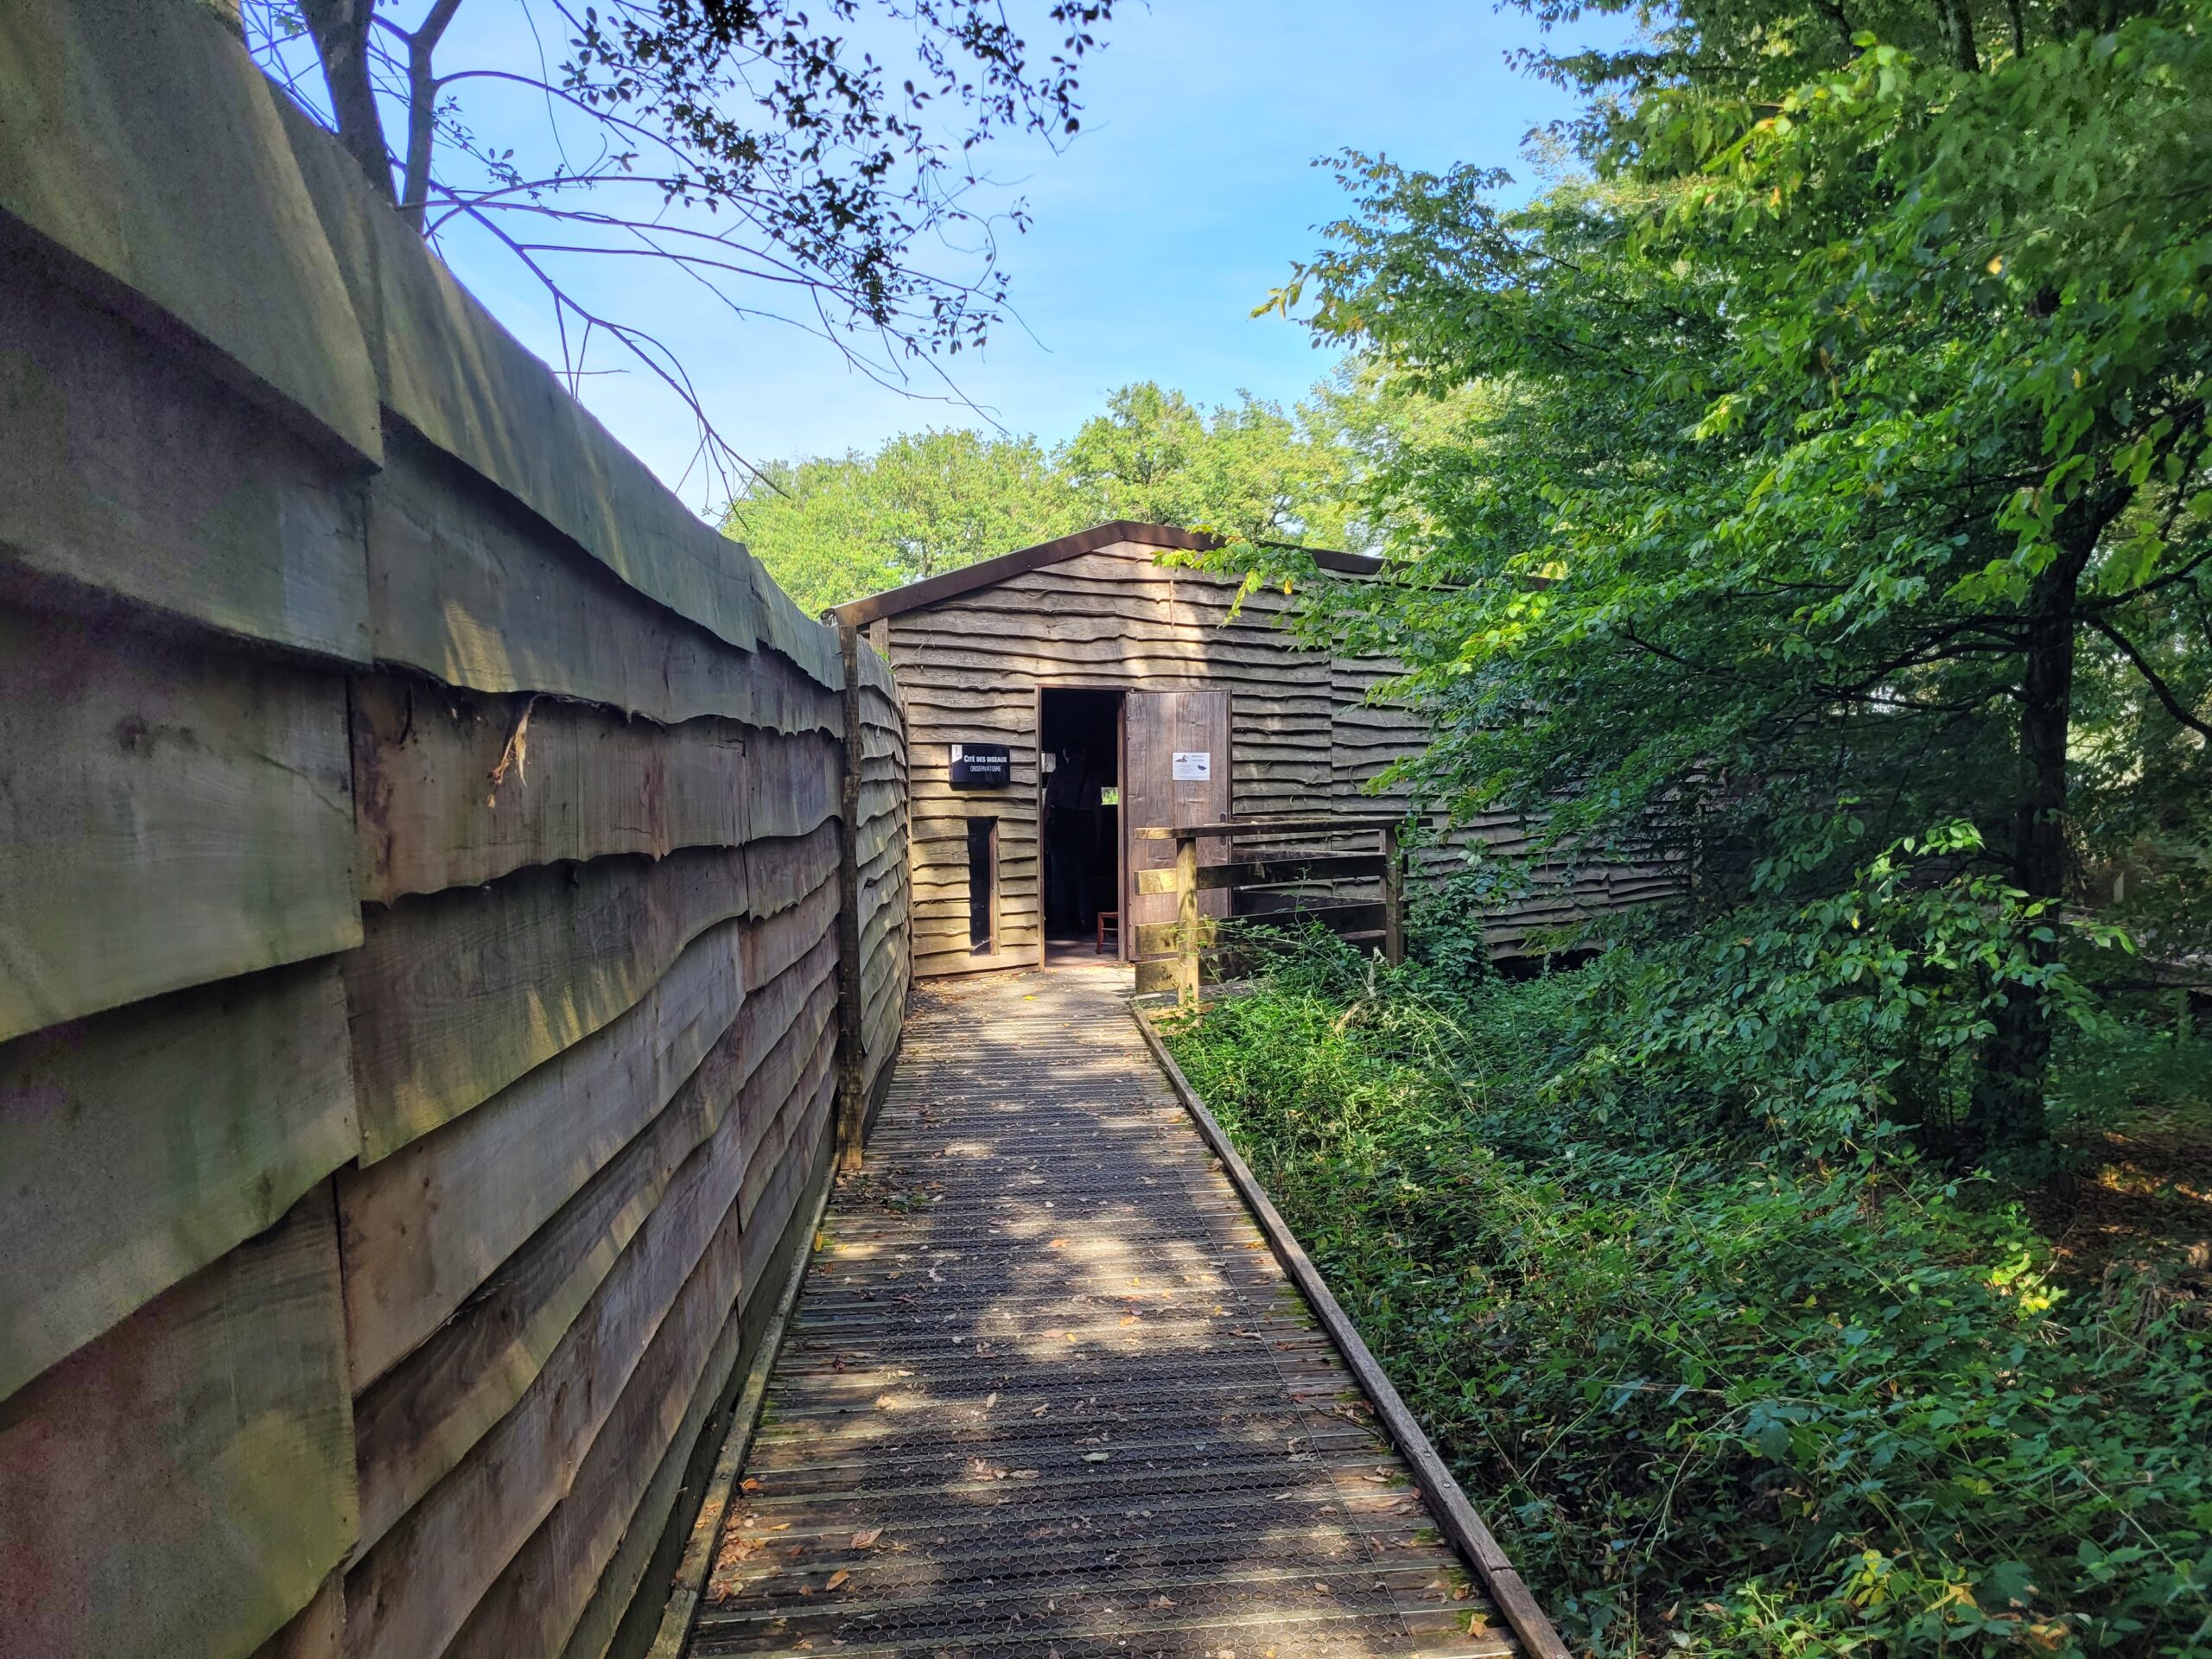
[(861, 1540), (838, 1579)]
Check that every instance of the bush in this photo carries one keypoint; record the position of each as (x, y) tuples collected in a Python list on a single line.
[(1726, 1390)]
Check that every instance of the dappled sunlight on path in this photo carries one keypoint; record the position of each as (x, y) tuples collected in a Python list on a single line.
[(1049, 1394)]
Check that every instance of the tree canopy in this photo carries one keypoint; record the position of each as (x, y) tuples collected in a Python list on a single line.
[(1832, 472), (830, 530)]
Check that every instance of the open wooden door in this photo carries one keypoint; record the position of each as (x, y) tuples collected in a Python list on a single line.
[(1174, 770)]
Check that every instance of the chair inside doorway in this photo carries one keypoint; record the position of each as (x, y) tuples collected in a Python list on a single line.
[(1080, 739)]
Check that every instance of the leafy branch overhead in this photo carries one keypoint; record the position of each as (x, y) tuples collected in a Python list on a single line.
[(1836, 461), (822, 168)]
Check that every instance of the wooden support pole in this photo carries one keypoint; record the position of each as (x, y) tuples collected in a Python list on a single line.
[(852, 1051), (1187, 914), (1393, 900)]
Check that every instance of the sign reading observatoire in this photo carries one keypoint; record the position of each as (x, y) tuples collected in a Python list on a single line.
[(982, 765)]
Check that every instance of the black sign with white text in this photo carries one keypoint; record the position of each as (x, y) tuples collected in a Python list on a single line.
[(982, 765)]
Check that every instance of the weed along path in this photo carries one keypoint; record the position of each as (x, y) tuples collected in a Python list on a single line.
[(1049, 1392)]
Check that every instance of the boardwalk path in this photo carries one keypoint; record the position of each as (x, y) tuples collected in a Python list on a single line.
[(1048, 1393)]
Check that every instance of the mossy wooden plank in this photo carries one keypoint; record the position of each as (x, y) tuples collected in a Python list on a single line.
[(316, 1632), (438, 810), (625, 1609), (447, 367), (784, 627), (118, 115), (426, 1226), (416, 1423), (183, 1484), (173, 814), (136, 473), (139, 1145), (454, 996), (539, 1600), (413, 1591), (468, 587)]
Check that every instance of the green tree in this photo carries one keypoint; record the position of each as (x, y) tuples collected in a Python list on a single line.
[(831, 530), (1249, 468), (1835, 459)]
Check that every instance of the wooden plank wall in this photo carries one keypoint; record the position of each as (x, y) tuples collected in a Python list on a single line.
[(970, 669), (1369, 732), (886, 966), (419, 849), (1304, 731)]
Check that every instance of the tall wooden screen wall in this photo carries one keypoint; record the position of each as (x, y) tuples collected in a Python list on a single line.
[(419, 885)]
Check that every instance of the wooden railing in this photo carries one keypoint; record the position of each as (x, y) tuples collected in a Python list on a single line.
[(1279, 871)]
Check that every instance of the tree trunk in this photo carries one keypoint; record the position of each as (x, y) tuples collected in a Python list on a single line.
[(340, 29), (2007, 1113)]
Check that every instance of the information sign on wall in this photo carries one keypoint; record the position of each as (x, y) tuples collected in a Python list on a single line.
[(1193, 765), (981, 765)]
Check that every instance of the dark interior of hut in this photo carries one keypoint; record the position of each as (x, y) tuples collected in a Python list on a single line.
[(1081, 743)]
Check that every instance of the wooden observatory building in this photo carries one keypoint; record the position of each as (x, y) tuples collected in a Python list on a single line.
[(1062, 697)]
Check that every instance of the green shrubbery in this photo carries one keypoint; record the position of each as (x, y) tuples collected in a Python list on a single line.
[(1734, 1379)]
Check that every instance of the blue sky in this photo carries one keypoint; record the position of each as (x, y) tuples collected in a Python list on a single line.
[(1186, 199)]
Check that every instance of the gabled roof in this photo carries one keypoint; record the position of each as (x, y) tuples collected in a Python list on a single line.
[(857, 613)]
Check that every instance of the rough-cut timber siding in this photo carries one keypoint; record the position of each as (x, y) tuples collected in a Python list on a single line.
[(1303, 731), (419, 887)]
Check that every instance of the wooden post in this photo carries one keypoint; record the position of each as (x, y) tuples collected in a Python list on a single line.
[(1393, 900), (1186, 914), (852, 1052)]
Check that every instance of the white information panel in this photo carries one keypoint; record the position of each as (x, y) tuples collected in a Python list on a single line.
[(1193, 765)]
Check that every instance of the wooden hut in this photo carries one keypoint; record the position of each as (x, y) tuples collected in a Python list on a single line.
[(1063, 697)]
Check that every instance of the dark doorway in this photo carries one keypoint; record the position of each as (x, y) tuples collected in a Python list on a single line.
[(1080, 742)]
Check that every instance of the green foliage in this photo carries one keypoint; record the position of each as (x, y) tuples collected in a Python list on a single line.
[(926, 502), (1249, 468), (1843, 436), (1841, 1020), (833, 530), (1727, 1391)]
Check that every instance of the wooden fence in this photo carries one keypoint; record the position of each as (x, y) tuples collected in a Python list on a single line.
[(430, 859), (1275, 873)]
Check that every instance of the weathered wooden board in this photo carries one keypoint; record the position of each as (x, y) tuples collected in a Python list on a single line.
[(414, 1590), (467, 587), (415, 1423), (136, 473), (780, 1088), (144, 1143), (538, 1602), (454, 996), (783, 938), (183, 1484), (116, 115), (438, 810), (447, 368), (426, 1226), (172, 815), (316, 1632)]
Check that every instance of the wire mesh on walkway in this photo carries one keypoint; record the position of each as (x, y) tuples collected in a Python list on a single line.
[(1048, 1393)]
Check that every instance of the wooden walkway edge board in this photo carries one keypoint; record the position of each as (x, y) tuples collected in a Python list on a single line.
[(1461, 1522)]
